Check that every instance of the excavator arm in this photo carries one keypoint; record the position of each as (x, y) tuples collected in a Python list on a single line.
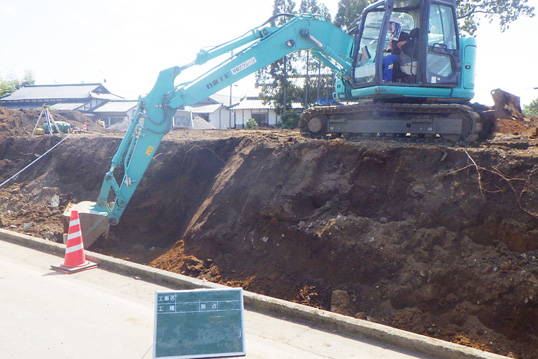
[(152, 120)]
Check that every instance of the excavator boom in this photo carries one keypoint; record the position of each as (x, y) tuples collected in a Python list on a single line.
[(405, 67), (152, 120)]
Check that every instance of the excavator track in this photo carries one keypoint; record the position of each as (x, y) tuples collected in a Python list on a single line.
[(451, 122)]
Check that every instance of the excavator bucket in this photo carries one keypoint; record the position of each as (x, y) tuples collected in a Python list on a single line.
[(93, 223), (507, 106)]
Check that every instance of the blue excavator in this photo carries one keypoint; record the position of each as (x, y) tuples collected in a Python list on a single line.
[(403, 71)]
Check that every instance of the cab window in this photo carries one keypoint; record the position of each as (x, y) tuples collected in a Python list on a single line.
[(442, 46), (364, 71)]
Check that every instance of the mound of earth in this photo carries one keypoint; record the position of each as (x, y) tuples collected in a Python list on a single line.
[(437, 239), (21, 123)]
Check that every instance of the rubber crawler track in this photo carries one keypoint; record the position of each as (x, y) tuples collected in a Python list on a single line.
[(472, 128)]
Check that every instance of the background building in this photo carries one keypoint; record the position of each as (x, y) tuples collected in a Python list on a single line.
[(253, 108), (220, 111)]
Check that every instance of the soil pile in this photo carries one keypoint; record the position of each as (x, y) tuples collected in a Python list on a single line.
[(435, 239), (21, 123)]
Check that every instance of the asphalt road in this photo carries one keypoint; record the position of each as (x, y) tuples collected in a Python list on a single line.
[(99, 314)]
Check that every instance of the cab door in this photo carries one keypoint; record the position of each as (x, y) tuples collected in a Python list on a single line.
[(443, 62)]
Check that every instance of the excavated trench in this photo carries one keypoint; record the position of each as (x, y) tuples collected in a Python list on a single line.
[(428, 238)]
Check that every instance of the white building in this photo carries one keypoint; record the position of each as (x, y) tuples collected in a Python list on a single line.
[(218, 115), (253, 108), (115, 112), (220, 111), (216, 110)]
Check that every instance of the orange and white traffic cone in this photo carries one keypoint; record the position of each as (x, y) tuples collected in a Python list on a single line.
[(85, 127), (75, 260)]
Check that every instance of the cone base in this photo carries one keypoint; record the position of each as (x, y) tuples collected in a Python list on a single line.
[(69, 270)]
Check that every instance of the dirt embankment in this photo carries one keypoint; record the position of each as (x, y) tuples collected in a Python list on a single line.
[(21, 123), (439, 240)]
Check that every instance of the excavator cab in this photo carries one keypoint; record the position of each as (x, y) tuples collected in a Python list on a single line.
[(411, 76), (411, 48)]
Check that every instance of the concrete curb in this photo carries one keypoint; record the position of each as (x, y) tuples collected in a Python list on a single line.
[(317, 318)]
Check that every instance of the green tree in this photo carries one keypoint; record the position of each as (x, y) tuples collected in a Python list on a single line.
[(531, 109), (297, 77), (470, 12), (11, 84), (349, 12), (315, 7), (251, 123), (316, 78), (290, 121), (274, 81)]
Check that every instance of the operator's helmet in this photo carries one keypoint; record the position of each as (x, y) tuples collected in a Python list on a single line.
[(395, 29)]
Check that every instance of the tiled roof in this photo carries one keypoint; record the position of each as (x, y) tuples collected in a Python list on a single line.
[(204, 109), (57, 92), (106, 96), (116, 106), (252, 104), (67, 106), (225, 99), (257, 104)]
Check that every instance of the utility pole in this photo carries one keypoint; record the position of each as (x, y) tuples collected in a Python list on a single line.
[(230, 103), (285, 88), (306, 79)]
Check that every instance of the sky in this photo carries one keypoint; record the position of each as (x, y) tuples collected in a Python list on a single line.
[(125, 43)]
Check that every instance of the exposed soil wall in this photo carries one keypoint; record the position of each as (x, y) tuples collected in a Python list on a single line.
[(419, 237), (436, 239)]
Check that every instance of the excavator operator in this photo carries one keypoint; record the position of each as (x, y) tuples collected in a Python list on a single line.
[(398, 39)]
